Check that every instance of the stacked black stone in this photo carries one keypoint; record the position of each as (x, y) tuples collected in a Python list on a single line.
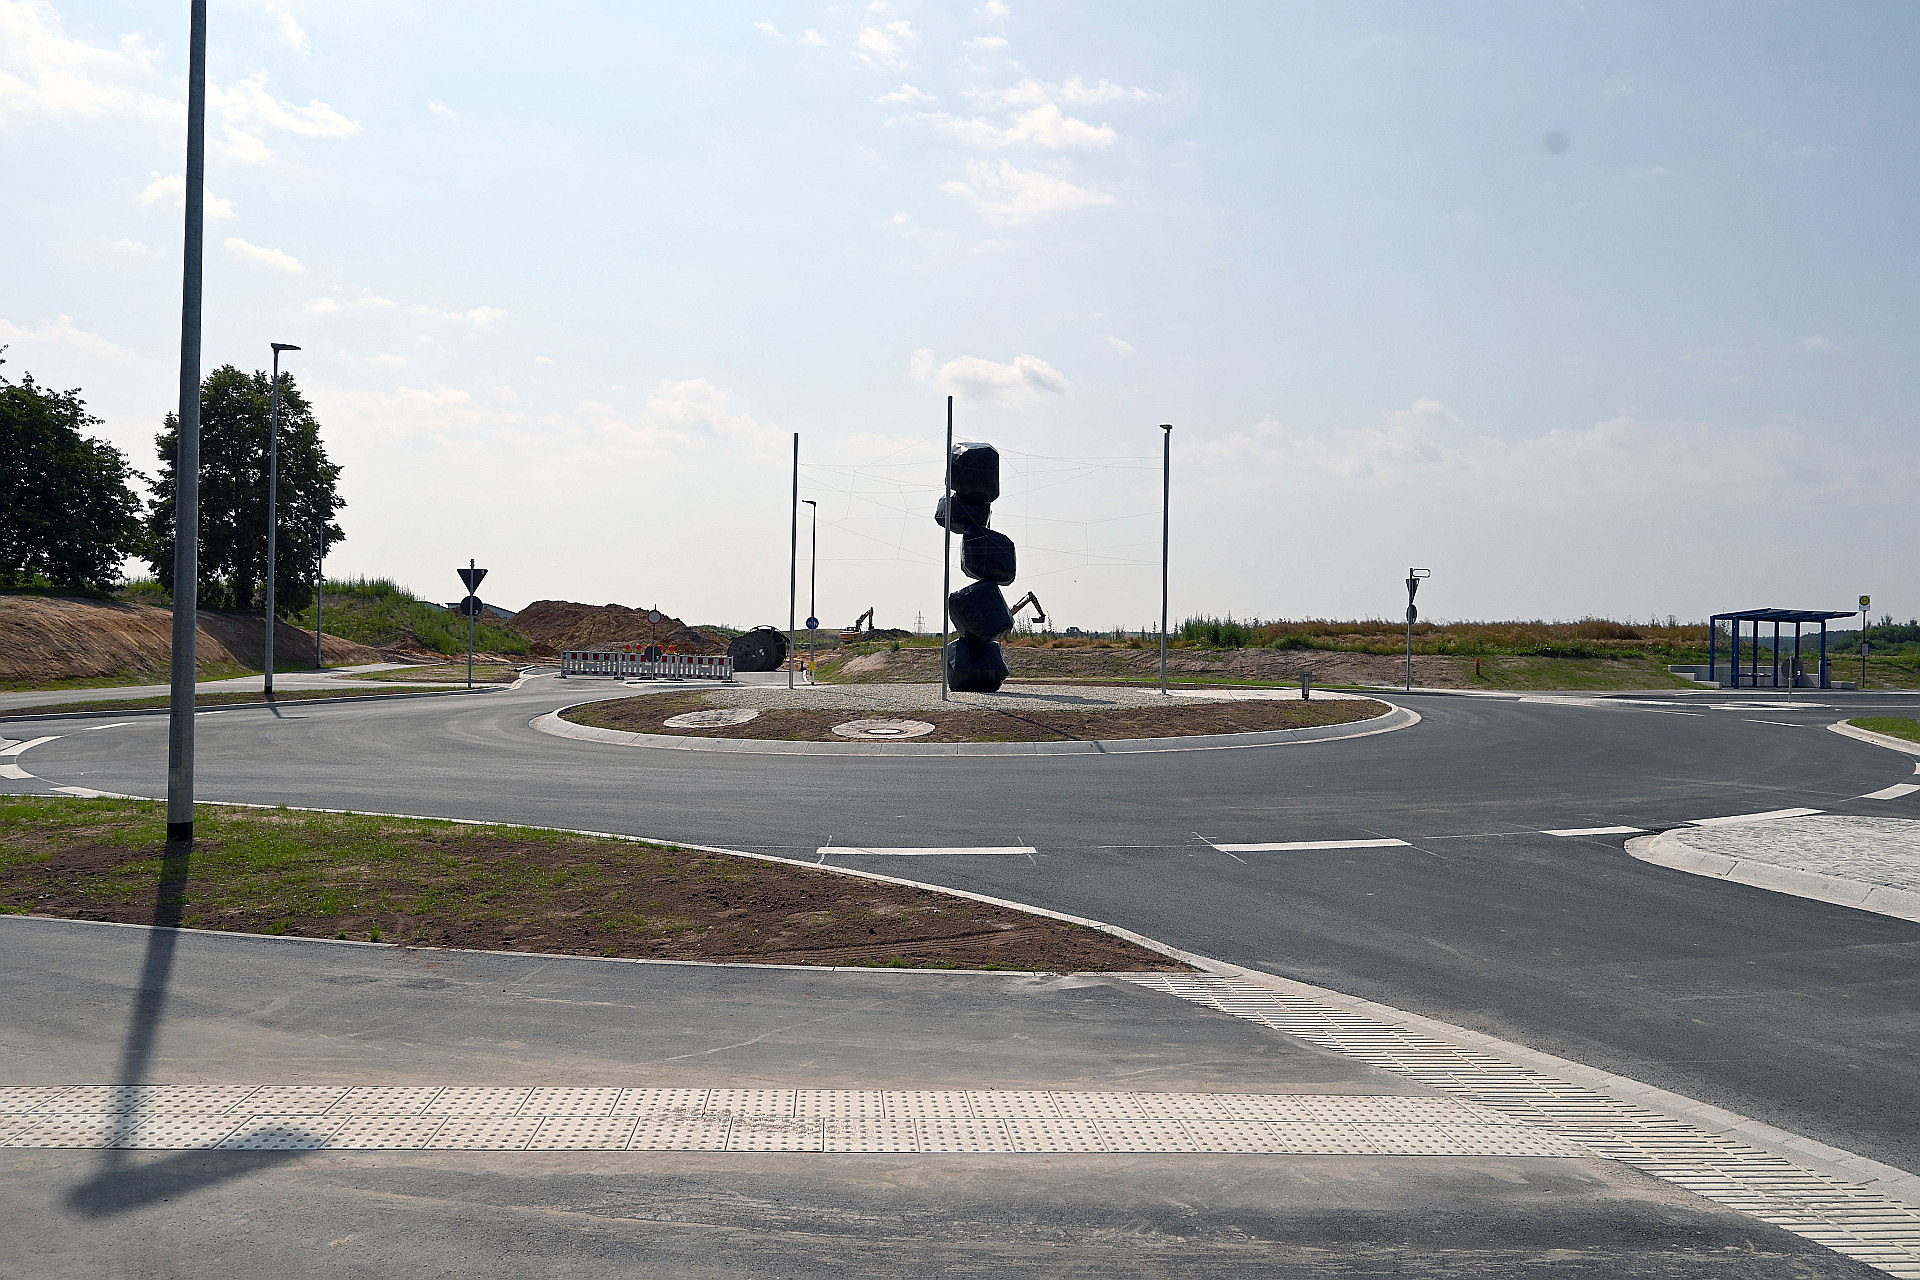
[(973, 660)]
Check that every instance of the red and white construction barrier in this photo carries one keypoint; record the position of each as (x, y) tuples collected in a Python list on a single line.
[(631, 662)]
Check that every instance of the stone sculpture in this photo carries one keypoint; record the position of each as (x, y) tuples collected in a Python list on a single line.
[(974, 661)]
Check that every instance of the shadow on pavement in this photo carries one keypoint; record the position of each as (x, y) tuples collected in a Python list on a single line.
[(125, 1185)]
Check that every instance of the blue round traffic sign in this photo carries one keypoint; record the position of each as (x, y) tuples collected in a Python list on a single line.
[(813, 623)]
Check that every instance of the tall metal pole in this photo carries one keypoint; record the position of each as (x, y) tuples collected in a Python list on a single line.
[(946, 548), (793, 559), (186, 488), (471, 610), (273, 498), (1166, 497), (813, 584)]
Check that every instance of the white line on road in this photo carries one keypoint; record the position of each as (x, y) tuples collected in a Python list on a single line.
[(11, 768), (1768, 816), (1784, 724), (1893, 792), (88, 793), (1291, 846), (1012, 850), (117, 724), (1595, 831)]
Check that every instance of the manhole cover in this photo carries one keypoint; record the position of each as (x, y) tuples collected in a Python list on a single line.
[(883, 728), (718, 718)]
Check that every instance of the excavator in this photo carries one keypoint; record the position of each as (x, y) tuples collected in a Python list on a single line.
[(1039, 614), (853, 632)]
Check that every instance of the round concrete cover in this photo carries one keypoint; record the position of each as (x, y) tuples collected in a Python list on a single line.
[(718, 718), (883, 728)]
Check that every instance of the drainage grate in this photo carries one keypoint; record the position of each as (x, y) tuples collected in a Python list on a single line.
[(1849, 1219)]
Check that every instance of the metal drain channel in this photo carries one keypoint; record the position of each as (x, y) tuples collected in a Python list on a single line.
[(1849, 1219), (931, 1121)]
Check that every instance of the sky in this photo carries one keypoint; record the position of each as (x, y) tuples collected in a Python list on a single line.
[(1591, 309)]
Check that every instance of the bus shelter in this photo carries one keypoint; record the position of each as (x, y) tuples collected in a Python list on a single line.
[(1754, 677)]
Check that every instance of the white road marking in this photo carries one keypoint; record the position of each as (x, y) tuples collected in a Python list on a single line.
[(117, 724), (1768, 816), (1292, 846), (88, 793), (1782, 723), (1595, 831), (11, 768), (1012, 850), (1893, 792)]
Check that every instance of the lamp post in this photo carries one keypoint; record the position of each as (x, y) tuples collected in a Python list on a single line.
[(946, 549), (273, 494), (813, 585), (1166, 493), (319, 591), (186, 492)]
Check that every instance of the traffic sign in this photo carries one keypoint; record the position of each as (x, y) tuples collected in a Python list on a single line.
[(653, 616), (472, 577), (471, 606), (1866, 602), (812, 623), (1413, 615)]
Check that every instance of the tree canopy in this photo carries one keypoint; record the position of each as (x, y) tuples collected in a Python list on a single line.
[(235, 430), (67, 512)]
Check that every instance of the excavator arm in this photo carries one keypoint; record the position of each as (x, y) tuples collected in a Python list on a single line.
[(1039, 614)]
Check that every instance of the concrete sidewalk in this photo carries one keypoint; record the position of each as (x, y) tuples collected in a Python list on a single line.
[(88, 1003)]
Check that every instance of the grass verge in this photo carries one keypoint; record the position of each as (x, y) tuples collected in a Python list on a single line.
[(1895, 726), (237, 698), (434, 883), (483, 673), (645, 714)]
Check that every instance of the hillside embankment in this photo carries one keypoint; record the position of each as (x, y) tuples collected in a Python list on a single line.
[(48, 641), (553, 625), (1273, 666)]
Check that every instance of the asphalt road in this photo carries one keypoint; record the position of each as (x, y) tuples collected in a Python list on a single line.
[(1795, 1012)]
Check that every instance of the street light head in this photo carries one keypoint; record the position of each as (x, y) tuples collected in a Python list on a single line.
[(810, 502), (283, 346), (1419, 573), (1166, 426)]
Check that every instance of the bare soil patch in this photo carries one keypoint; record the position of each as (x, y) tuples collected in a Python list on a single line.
[(425, 883), (551, 626), (645, 713)]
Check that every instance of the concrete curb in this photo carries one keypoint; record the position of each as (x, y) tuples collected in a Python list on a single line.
[(237, 706), (1395, 718), (1670, 849), (1842, 1165), (1886, 740)]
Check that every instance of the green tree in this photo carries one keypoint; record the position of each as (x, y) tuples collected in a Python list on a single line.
[(67, 513), (235, 429)]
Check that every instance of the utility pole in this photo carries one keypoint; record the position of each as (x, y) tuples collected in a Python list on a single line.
[(946, 547), (319, 592), (793, 560), (186, 467), (1166, 496), (471, 611), (273, 497)]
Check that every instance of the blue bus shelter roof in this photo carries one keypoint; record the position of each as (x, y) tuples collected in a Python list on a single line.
[(1784, 615)]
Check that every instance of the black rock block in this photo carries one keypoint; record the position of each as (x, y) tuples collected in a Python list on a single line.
[(986, 556), (969, 515), (975, 666), (980, 611), (974, 471)]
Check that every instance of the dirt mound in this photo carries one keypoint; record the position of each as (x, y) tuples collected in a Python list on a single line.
[(553, 625), (45, 638)]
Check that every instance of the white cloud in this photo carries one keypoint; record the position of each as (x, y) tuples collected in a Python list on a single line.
[(45, 72), (1044, 126), (1025, 380), (543, 360), (249, 103), (813, 39), (132, 248), (994, 11), (480, 317), (886, 46), (1008, 196), (174, 188), (389, 360), (1121, 345), (905, 96), (1818, 344), (291, 33), (62, 333), (278, 259), (367, 301), (245, 148), (443, 110), (1074, 92)]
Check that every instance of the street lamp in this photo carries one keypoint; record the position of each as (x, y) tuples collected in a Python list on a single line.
[(273, 494), (813, 584)]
